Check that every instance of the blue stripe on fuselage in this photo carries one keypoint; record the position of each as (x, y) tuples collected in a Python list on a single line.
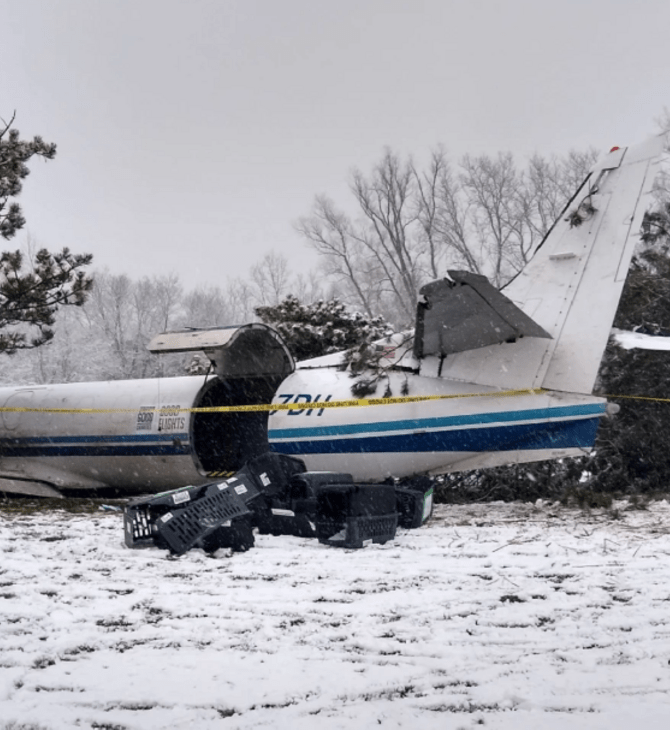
[(551, 435), (591, 409), (579, 432), (162, 444)]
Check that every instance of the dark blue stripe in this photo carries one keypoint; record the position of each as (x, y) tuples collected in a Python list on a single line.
[(552, 435), (149, 450), (592, 409), (88, 439), (162, 444)]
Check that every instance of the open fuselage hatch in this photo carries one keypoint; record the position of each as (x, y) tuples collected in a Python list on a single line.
[(248, 363), (224, 441)]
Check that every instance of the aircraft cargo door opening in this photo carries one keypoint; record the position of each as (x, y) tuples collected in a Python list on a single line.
[(224, 442), (248, 363)]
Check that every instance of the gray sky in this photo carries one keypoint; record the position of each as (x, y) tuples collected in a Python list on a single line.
[(192, 134)]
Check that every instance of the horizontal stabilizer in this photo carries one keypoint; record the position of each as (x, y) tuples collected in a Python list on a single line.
[(466, 313), (570, 288)]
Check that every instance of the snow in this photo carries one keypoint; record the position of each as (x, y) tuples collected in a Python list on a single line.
[(496, 616), (631, 340)]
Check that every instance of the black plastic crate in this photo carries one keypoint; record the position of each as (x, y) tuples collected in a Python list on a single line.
[(244, 485), (294, 511), (414, 505), (261, 481), (237, 534), (353, 514), (140, 515), (272, 472), (181, 529), (303, 491), (307, 485), (280, 520)]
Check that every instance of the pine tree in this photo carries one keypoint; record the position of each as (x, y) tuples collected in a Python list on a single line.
[(632, 452), (30, 295), (14, 154), (321, 328)]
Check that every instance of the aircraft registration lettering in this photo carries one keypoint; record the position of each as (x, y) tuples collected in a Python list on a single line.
[(300, 398)]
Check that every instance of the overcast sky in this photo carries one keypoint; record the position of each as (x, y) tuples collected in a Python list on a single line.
[(193, 133)]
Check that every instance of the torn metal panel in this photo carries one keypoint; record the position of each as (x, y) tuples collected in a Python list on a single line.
[(466, 313)]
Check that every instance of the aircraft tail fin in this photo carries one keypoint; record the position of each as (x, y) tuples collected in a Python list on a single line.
[(572, 285)]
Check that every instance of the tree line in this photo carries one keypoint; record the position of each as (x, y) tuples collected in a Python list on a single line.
[(105, 336), (411, 223), (405, 224)]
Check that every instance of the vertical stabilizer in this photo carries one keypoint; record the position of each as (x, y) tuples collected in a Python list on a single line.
[(572, 286)]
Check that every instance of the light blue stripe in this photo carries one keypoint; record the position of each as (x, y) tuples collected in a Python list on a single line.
[(591, 409)]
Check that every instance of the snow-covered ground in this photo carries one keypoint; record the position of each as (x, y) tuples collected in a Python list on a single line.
[(495, 616), (632, 340)]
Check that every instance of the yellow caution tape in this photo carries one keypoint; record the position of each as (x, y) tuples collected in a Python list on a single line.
[(312, 405), (637, 397), (315, 405)]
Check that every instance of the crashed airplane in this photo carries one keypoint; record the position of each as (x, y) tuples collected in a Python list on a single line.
[(491, 378)]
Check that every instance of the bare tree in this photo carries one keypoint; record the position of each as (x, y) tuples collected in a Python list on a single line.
[(308, 288), (205, 307), (331, 233), (493, 188), (387, 199), (414, 224), (109, 313), (446, 219), (127, 313), (241, 301), (270, 279), (379, 255), (157, 303)]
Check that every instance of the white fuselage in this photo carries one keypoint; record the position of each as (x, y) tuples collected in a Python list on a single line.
[(128, 434), (141, 436), (543, 338), (471, 427)]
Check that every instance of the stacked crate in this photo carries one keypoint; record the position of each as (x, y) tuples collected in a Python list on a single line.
[(275, 494), (179, 519)]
